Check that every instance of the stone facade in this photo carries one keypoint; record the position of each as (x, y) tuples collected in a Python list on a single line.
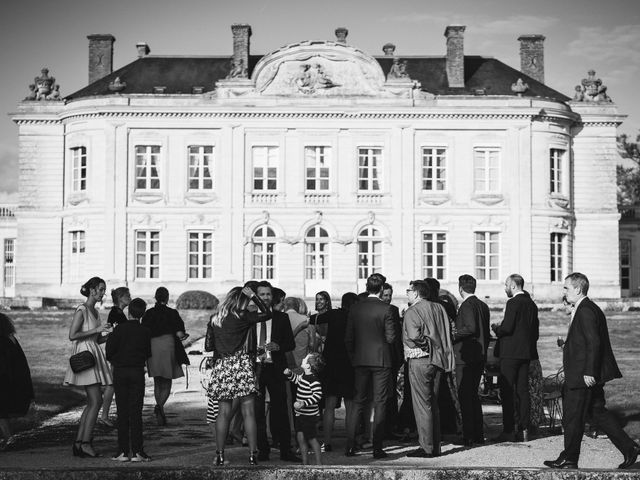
[(313, 171), (8, 234)]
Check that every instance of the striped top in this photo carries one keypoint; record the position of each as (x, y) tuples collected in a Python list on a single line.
[(309, 393)]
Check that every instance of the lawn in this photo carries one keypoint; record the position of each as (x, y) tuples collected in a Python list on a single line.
[(44, 338)]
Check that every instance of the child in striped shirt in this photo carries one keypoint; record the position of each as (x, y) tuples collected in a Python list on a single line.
[(306, 407)]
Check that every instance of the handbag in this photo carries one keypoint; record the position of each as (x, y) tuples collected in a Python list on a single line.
[(82, 361)]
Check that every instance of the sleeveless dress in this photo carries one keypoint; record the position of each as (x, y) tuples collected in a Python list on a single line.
[(100, 373)]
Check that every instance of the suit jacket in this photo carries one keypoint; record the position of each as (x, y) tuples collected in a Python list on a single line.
[(397, 349), (472, 332), (427, 323), (370, 334), (587, 349), (281, 334), (518, 332)]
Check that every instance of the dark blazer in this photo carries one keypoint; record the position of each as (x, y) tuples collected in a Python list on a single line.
[(518, 332), (370, 333), (471, 340), (281, 334), (587, 349)]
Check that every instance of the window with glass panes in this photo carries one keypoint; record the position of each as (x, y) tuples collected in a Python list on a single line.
[(263, 254), (487, 255), (434, 169), (369, 169), (265, 168), (200, 255), (557, 250), (369, 252), (147, 254), (625, 264), (200, 167), (317, 168), (434, 255), (147, 167), (556, 170), (316, 254), (9, 268), (78, 169), (77, 251), (486, 170)]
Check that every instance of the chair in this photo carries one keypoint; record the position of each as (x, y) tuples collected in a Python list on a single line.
[(552, 397)]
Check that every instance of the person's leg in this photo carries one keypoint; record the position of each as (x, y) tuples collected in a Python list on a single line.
[(304, 448), (422, 398), (235, 427), (465, 383), (260, 416), (278, 415), (317, 451), (107, 399), (507, 393), (523, 400), (89, 416), (361, 379), (381, 378), (603, 419), (575, 406), (162, 390), (122, 409), (391, 417), (477, 419), (433, 377), (328, 418), (222, 424), (136, 402), (247, 406)]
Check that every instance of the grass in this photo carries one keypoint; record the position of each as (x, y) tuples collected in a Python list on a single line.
[(44, 338)]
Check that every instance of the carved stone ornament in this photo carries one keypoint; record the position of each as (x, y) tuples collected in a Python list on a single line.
[(434, 199), (591, 90), (265, 217), (490, 221), (371, 217), (117, 85), (398, 71), (559, 224), (560, 201), (488, 198), (237, 70), (76, 223), (147, 221), (200, 220), (44, 87), (519, 87), (434, 221)]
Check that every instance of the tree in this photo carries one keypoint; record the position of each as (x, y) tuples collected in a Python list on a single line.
[(628, 177)]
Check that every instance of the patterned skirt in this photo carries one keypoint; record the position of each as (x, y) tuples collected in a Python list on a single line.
[(535, 394), (232, 376)]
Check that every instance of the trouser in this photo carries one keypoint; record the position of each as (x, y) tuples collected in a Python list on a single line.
[(425, 388), (392, 403), (380, 378), (128, 384), (468, 379), (514, 390), (580, 403), (406, 418), (269, 378)]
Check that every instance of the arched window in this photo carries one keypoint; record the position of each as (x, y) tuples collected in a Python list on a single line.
[(263, 254), (369, 252), (316, 254)]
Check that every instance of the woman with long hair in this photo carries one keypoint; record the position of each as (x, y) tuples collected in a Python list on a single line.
[(318, 322), (233, 375), (167, 352), (86, 332), (16, 389)]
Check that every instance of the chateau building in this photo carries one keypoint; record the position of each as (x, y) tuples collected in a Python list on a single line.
[(314, 166), (8, 233)]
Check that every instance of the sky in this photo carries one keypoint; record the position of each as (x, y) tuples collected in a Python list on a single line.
[(580, 35)]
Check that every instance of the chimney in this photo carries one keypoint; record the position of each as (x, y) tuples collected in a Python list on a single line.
[(389, 49), (532, 56), (143, 49), (100, 56), (455, 55), (241, 33), (341, 35)]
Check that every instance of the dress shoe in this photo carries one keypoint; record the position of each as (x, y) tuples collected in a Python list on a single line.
[(288, 456), (379, 453), (561, 463), (350, 452), (630, 457), (420, 453)]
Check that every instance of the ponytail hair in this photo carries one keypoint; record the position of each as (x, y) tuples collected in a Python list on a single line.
[(92, 283)]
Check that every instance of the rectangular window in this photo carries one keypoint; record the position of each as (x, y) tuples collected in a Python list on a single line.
[(200, 255), (487, 255), (147, 254), (370, 169), (558, 252), (434, 255), (200, 166), (625, 264), (79, 169), (77, 251), (147, 167), (486, 170), (9, 270), (316, 161), (263, 260), (434, 169), (265, 168), (556, 171)]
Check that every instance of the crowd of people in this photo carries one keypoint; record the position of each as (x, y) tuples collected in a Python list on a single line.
[(266, 346)]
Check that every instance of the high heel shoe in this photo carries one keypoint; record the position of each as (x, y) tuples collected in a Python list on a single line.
[(253, 458), (219, 458), (84, 453), (77, 449)]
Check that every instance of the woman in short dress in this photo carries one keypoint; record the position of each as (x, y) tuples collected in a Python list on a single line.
[(233, 375), (86, 332)]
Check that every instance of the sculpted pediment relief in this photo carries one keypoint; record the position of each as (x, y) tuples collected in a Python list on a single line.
[(318, 69)]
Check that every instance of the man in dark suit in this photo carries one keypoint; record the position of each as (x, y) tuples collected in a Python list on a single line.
[(471, 341), (588, 363), (517, 346), (275, 339), (398, 360), (369, 338)]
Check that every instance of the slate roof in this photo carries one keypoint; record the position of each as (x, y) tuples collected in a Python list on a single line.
[(181, 74)]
